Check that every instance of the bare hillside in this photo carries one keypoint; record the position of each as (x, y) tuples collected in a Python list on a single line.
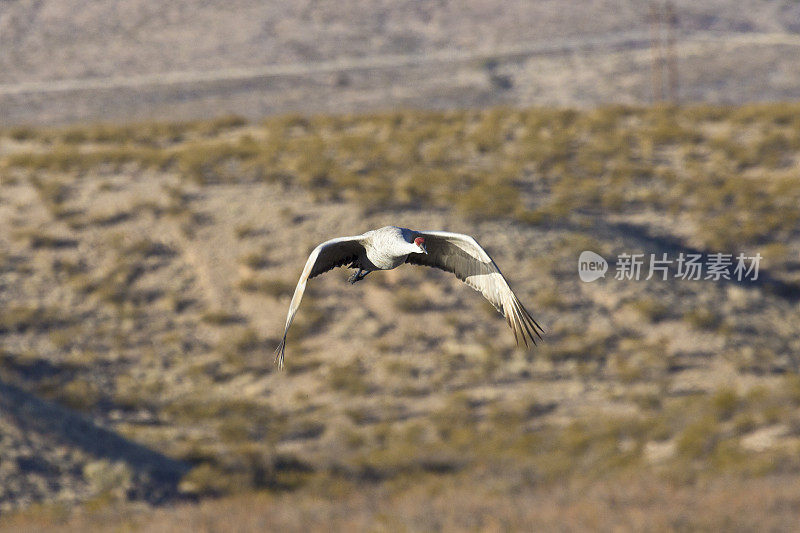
[(78, 60), (51, 39)]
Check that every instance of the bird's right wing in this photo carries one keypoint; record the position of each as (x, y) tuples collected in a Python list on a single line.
[(326, 256)]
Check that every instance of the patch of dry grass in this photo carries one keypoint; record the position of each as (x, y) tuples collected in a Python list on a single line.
[(459, 503), (611, 160)]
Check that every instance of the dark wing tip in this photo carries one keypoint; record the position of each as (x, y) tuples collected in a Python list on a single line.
[(537, 329), (279, 351), (520, 320)]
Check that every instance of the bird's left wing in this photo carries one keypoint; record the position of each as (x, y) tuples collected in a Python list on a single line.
[(464, 257), (326, 256)]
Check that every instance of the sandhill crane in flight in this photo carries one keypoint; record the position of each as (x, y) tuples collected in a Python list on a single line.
[(389, 247)]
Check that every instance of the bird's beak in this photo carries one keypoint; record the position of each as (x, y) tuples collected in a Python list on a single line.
[(424, 250)]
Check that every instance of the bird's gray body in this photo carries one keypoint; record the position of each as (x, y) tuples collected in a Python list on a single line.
[(391, 246), (387, 248)]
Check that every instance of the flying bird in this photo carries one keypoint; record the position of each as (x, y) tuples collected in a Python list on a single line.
[(389, 247)]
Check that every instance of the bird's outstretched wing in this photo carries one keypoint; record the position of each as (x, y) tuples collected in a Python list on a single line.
[(326, 256), (464, 257)]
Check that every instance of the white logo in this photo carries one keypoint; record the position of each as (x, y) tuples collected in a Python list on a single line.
[(591, 266)]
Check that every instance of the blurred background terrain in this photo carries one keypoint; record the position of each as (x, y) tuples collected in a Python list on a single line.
[(78, 60), (166, 169)]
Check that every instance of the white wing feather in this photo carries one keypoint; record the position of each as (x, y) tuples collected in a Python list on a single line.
[(328, 255), (463, 256)]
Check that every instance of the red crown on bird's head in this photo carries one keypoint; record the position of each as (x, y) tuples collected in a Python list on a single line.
[(419, 240)]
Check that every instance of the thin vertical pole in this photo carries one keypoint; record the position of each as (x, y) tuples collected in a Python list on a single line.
[(672, 59), (655, 47)]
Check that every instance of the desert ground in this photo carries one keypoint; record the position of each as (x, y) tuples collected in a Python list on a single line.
[(147, 269)]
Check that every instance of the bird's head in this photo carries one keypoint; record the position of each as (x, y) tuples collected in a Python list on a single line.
[(420, 244)]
